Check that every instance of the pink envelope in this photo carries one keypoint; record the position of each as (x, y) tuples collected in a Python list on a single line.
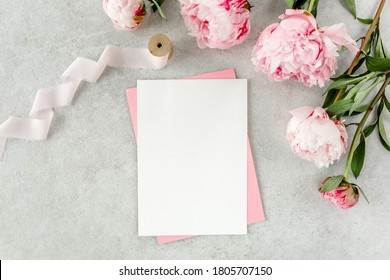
[(255, 206)]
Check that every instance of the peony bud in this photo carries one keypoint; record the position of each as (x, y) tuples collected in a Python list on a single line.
[(125, 14), (344, 196)]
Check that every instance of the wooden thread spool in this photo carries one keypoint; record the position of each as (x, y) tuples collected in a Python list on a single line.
[(160, 45)]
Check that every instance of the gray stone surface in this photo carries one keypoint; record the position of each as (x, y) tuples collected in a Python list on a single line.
[(74, 196)]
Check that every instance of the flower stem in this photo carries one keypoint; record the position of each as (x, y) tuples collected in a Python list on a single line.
[(363, 45), (360, 127)]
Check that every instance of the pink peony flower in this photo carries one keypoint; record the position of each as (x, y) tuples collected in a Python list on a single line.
[(219, 24), (344, 196), (315, 137), (296, 48), (125, 14)]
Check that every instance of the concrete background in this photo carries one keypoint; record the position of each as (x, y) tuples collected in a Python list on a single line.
[(74, 196)]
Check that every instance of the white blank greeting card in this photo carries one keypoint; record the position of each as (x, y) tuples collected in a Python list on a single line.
[(192, 157)]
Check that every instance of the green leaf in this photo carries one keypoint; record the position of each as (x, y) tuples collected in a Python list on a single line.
[(343, 49), (346, 76), (298, 4), (380, 108), (384, 144), (354, 113), (343, 82), (340, 107), (381, 50), (382, 133), (351, 5), (365, 20), (362, 95), (332, 183), (377, 64), (290, 4), (154, 6), (361, 60), (370, 129), (360, 189), (351, 92), (157, 7), (358, 157), (361, 109), (387, 103), (315, 8), (330, 97)]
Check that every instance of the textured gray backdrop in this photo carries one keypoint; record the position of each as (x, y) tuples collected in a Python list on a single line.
[(74, 196)]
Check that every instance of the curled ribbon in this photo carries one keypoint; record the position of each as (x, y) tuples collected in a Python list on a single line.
[(36, 126)]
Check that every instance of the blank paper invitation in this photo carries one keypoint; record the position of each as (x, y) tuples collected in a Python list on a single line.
[(192, 157)]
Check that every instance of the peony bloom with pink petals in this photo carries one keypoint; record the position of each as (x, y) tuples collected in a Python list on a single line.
[(344, 196), (126, 15), (297, 49), (315, 137), (219, 24)]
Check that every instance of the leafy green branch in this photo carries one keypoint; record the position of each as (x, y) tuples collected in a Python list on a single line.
[(346, 96)]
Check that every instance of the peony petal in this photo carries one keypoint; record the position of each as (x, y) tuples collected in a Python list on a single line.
[(326, 129), (297, 24), (302, 112), (339, 35), (266, 34), (320, 112), (300, 13), (293, 12)]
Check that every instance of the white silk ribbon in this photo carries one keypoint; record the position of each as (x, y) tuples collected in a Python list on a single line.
[(37, 125)]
